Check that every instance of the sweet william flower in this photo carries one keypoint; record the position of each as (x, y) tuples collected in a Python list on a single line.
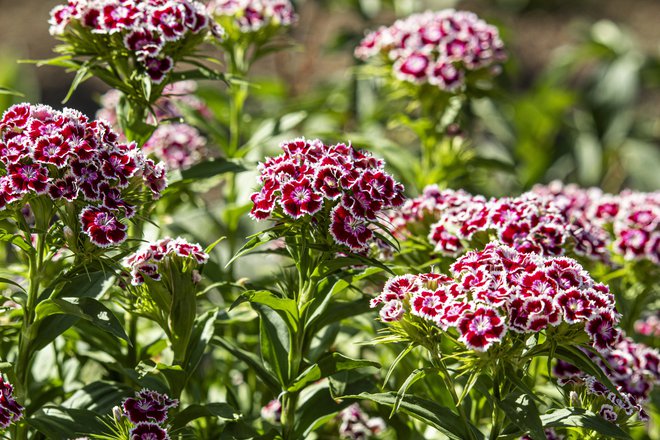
[(148, 431), (148, 407), (10, 410)]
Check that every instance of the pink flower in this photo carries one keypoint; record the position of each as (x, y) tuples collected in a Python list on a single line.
[(440, 48), (392, 311), (148, 262), (254, 15)]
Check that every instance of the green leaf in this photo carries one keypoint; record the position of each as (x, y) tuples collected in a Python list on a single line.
[(16, 240), (11, 282), (317, 409), (85, 308), (255, 241), (439, 417), (218, 410), (99, 397), (578, 358), (285, 307), (212, 168), (327, 366), (200, 338), (521, 410), (275, 342), (62, 423), (417, 374), (82, 75), (252, 361), (341, 310), (11, 92), (581, 418), (212, 246)]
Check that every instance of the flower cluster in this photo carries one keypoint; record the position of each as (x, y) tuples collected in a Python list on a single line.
[(10, 410), (632, 367), (152, 31), (253, 15), (500, 290), (68, 158), (357, 425), (450, 219), (336, 182), (438, 48), (147, 262), (147, 411), (632, 217), (169, 106), (177, 144), (649, 326)]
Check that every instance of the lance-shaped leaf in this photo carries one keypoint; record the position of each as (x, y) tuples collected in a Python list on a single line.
[(286, 308), (218, 410), (581, 418), (439, 417), (252, 361), (84, 308), (275, 342), (521, 410), (327, 366)]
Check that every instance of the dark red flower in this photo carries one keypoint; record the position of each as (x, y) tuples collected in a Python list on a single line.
[(148, 406), (349, 230), (102, 226), (148, 431), (10, 410), (26, 177)]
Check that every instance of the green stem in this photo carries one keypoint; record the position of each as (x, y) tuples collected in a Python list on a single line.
[(238, 93), (24, 358), (449, 384)]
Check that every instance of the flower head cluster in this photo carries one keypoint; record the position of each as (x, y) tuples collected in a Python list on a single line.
[(632, 367), (10, 410), (450, 219), (438, 48), (70, 159), (311, 180), (177, 144), (180, 146), (148, 261), (152, 30), (500, 290), (169, 106), (147, 411), (632, 217), (357, 425), (253, 15), (649, 325)]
